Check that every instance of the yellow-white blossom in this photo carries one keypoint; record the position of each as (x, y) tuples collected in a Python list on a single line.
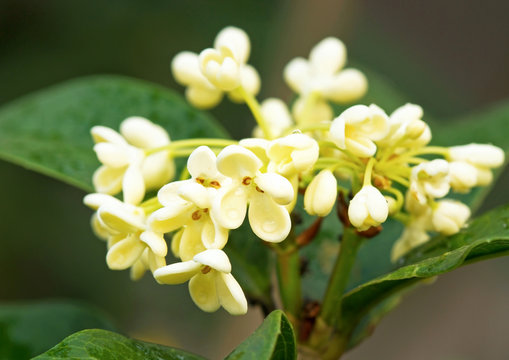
[(429, 180), (321, 194), (483, 157), (199, 91), (125, 167), (225, 65), (125, 228), (215, 71), (292, 154), (276, 114), (211, 283), (368, 208), (406, 128), (266, 193), (357, 129), (449, 216), (187, 204), (323, 74), (463, 176)]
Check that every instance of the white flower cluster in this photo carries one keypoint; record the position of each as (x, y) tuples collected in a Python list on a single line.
[(256, 177), (374, 158)]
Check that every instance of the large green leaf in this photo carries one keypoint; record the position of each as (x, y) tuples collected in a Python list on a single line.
[(107, 345), (274, 339), (49, 131), (487, 236), (28, 329)]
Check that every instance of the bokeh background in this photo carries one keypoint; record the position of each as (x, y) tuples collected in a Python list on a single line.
[(450, 57)]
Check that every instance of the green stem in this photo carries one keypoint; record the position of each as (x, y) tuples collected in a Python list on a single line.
[(331, 306), (177, 144), (289, 280), (256, 110)]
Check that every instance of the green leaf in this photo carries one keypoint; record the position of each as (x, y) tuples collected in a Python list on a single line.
[(487, 236), (107, 345), (28, 329), (274, 339), (49, 131)]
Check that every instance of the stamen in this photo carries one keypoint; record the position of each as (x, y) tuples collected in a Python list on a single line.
[(206, 269), (259, 190), (247, 180), (196, 215), (215, 184)]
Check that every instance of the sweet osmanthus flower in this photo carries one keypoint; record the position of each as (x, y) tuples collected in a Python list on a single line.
[(211, 283), (322, 78), (367, 164), (218, 70), (125, 166)]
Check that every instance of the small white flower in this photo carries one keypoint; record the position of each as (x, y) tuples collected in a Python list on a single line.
[(211, 283), (313, 111), (322, 74), (463, 176), (368, 208), (406, 128), (276, 113), (321, 193), (449, 216), (225, 65), (483, 157), (125, 166), (358, 127), (266, 193), (199, 92), (293, 154), (125, 228), (208, 75), (187, 204), (429, 180)]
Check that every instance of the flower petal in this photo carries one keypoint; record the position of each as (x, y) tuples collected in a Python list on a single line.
[(202, 289), (171, 217), (175, 243), (229, 206), (124, 253), (230, 294), (268, 220), (112, 155), (177, 273), (96, 200), (106, 134), (328, 56), (122, 217), (143, 133), (236, 40), (238, 162), (195, 193), (155, 242), (297, 74), (133, 185), (157, 169), (108, 180), (202, 163), (191, 242), (215, 258), (276, 186)]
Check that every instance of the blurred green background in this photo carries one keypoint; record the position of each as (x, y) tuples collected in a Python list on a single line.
[(450, 57)]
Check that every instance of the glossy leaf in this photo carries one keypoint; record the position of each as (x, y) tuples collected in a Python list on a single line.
[(274, 339), (28, 329), (49, 131), (487, 236), (107, 345)]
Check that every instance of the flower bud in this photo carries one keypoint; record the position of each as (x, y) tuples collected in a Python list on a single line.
[(449, 216), (321, 194), (368, 208)]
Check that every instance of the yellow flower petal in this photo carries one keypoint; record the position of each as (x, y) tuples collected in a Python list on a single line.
[(230, 294), (177, 273), (124, 253), (202, 289)]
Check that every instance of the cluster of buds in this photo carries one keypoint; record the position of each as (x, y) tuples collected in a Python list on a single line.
[(380, 160)]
